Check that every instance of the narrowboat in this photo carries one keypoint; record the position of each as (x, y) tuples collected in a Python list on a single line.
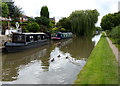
[(61, 35), (23, 41)]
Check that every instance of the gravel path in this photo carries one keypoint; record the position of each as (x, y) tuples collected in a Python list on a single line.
[(115, 50)]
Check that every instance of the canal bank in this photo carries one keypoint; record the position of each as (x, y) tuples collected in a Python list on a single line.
[(101, 67)]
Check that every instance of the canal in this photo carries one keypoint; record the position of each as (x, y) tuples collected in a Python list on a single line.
[(56, 63)]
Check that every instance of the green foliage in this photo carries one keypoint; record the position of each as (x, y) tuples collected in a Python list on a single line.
[(65, 23), (24, 29), (110, 20), (5, 10), (42, 21), (51, 23), (33, 27), (83, 22), (43, 28), (98, 28), (55, 29), (80, 22), (115, 34), (62, 29), (14, 11), (44, 12), (30, 19)]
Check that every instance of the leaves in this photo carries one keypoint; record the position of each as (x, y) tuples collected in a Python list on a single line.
[(33, 27), (5, 10), (42, 21), (110, 20), (83, 22), (44, 12), (64, 23), (14, 11)]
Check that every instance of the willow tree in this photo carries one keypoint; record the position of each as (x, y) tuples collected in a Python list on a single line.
[(83, 22)]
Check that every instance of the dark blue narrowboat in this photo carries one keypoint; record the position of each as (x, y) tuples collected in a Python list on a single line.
[(61, 35), (23, 41)]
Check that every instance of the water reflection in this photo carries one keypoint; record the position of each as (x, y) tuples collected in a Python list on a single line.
[(79, 48), (12, 62), (57, 63)]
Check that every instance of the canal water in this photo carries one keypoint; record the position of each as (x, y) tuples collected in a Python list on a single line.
[(56, 63)]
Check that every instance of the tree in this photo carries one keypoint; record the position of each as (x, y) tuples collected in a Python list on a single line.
[(42, 21), (83, 21), (110, 20), (51, 24), (44, 12), (115, 34), (5, 10), (64, 23), (106, 22), (33, 27), (30, 19), (14, 11)]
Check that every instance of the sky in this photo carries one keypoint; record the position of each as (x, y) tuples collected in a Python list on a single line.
[(63, 8)]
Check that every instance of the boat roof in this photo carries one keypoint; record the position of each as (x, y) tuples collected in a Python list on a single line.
[(30, 33), (34, 33)]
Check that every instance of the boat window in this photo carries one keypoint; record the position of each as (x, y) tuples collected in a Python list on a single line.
[(27, 39), (53, 35), (58, 35), (18, 38), (31, 38), (35, 38), (62, 35), (39, 37), (43, 37)]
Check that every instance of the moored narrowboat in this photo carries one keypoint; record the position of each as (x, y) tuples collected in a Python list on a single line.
[(23, 41), (61, 35)]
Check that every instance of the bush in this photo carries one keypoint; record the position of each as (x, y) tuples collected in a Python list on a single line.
[(54, 30), (33, 27), (24, 29), (62, 29), (108, 32), (115, 34), (42, 21), (103, 34)]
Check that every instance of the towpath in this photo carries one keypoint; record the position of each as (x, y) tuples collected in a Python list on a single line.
[(115, 50)]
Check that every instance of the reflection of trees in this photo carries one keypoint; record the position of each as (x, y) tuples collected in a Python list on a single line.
[(12, 62), (80, 47), (45, 59)]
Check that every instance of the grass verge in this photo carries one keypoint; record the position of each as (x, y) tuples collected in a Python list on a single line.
[(101, 67), (114, 42)]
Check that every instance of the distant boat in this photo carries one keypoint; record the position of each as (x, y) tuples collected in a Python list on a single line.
[(23, 41), (61, 35)]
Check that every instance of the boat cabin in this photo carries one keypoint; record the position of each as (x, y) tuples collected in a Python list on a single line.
[(61, 35), (28, 37)]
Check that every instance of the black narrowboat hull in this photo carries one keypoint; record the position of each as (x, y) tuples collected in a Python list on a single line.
[(15, 48)]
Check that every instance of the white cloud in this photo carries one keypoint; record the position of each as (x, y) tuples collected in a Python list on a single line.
[(63, 8)]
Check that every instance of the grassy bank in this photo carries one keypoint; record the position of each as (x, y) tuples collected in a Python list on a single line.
[(101, 67)]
